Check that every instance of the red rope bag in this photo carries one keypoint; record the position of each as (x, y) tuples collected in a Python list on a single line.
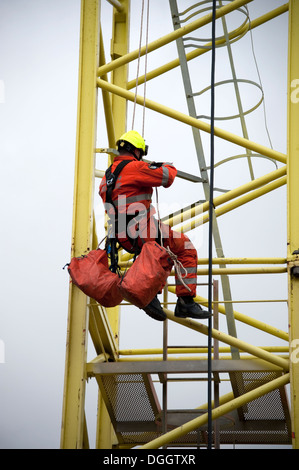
[(147, 276), (92, 275)]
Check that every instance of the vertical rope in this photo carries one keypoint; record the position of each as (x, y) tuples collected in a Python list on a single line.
[(138, 63), (145, 67), (211, 214)]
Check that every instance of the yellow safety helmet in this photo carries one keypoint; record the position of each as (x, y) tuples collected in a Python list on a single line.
[(135, 139)]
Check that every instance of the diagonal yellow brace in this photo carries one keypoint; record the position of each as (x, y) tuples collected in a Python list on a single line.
[(198, 51), (232, 341), (179, 116), (152, 46), (245, 319), (218, 412)]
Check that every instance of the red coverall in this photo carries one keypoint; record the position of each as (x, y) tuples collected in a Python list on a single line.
[(132, 195)]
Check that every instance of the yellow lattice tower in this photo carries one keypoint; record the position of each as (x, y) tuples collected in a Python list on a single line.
[(129, 413)]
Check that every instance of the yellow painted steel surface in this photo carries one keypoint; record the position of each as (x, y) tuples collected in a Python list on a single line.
[(118, 62), (293, 219), (74, 388), (181, 117), (115, 112), (199, 51), (93, 73), (217, 412)]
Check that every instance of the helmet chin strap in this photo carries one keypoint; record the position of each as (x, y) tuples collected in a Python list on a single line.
[(139, 156)]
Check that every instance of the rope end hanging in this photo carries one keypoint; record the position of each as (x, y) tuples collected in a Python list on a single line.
[(178, 268)]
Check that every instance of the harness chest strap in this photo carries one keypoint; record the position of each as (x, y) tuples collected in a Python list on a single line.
[(111, 179)]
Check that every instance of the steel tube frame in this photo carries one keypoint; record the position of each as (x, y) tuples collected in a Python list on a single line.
[(116, 4), (202, 261), (181, 117), (115, 114), (292, 205), (234, 204), (188, 213), (245, 319), (152, 46), (73, 419), (247, 270), (198, 52), (231, 340), (189, 350), (74, 430), (239, 191), (243, 261), (217, 412)]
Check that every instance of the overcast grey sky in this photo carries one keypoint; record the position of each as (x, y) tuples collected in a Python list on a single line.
[(39, 48)]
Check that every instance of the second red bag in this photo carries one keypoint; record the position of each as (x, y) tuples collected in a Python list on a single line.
[(147, 276)]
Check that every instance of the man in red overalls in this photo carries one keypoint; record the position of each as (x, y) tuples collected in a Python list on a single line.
[(131, 195)]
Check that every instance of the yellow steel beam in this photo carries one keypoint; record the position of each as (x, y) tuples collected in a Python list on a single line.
[(247, 270), (234, 204), (243, 261), (107, 103), (184, 118), (152, 46), (292, 204), (199, 51), (235, 271), (115, 115), (188, 350), (231, 340), (72, 430), (252, 360), (119, 7), (221, 261), (199, 209), (217, 412), (245, 319)]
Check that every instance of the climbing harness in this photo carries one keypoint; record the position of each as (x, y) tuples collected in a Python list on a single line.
[(111, 243)]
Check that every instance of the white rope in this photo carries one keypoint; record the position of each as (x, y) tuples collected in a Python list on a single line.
[(145, 65), (138, 62), (177, 264), (178, 267)]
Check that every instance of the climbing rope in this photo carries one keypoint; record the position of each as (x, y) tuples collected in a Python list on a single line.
[(211, 214), (178, 267), (145, 65)]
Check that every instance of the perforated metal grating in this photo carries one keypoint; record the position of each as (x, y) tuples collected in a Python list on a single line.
[(136, 415), (130, 397), (265, 420)]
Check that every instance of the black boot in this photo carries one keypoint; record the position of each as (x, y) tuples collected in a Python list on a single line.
[(186, 307), (154, 310)]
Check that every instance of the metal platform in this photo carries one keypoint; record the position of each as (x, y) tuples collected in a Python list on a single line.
[(135, 412)]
